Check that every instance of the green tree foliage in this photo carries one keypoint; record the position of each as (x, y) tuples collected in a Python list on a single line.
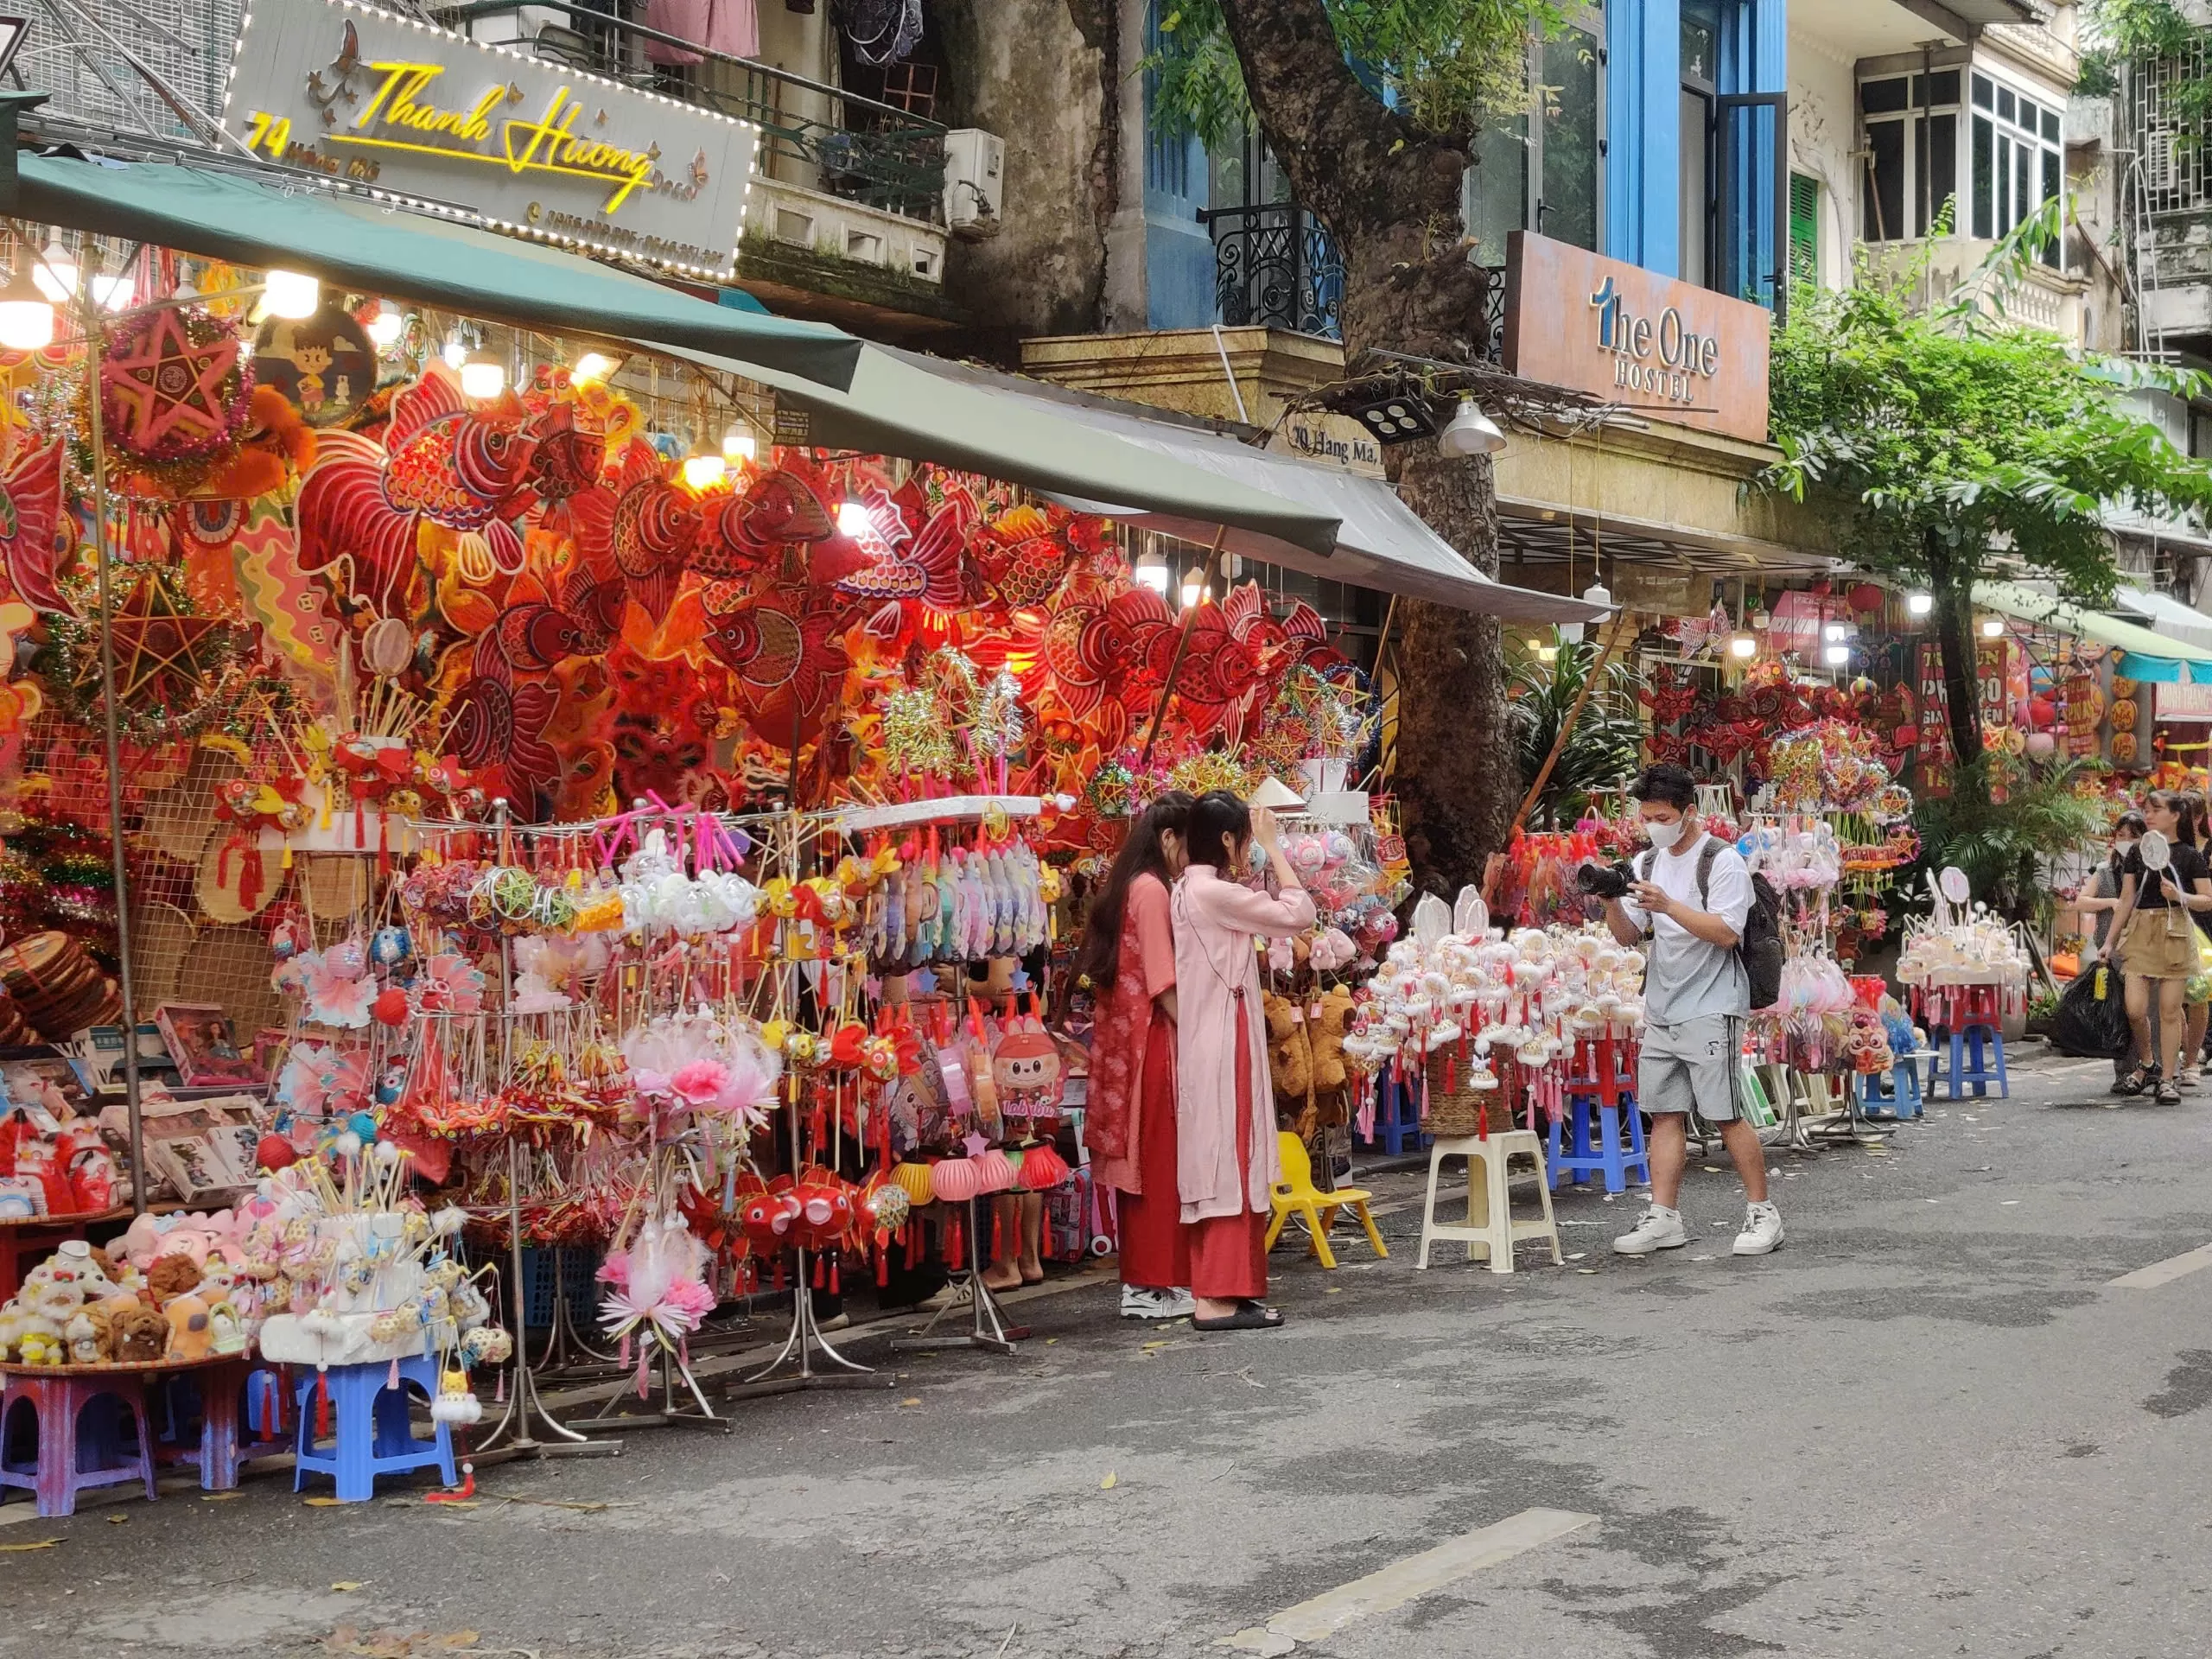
[(1949, 434), (2003, 823), (1602, 751), (2145, 31), (1441, 63)]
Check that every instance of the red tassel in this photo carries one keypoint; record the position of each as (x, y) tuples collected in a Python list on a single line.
[(321, 1404), (954, 1254), (882, 1267), (251, 875), (817, 1273), (835, 1288), (998, 1242), (392, 1378)]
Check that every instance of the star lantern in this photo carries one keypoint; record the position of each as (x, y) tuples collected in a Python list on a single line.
[(175, 386), (164, 653)]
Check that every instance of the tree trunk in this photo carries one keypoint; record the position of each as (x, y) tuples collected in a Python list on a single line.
[(1955, 636), (1389, 193)]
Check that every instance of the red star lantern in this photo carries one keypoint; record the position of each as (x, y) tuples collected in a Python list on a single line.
[(175, 387)]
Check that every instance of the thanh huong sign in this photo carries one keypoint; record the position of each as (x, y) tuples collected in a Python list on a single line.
[(537, 149)]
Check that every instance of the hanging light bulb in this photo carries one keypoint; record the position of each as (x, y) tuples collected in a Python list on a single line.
[(592, 366), (1919, 604), (26, 316), (114, 293), (739, 447), (455, 350), (1548, 653), (1992, 628), (1152, 571), (1194, 587), (292, 294), (386, 326), (852, 520), (1837, 655), (1832, 632), (54, 272), (482, 376), (704, 472), (1469, 432), (1743, 647)]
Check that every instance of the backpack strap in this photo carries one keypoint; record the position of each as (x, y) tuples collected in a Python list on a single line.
[(1706, 857)]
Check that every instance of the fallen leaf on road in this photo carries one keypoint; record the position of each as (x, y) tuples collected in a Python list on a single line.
[(1592, 1271), (1578, 1256), (580, 1507), (346, 1585), (24, 1549), (320, 1503), (1110, 1482), (118, 1520), (1333, 1290), (217, 1497), (1155, 1344), (910, 1400)]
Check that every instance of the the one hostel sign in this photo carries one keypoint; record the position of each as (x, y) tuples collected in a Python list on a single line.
[(1666, 348)]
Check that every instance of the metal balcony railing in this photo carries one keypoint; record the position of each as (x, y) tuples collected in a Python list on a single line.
[(1275, 266), (858, 148)]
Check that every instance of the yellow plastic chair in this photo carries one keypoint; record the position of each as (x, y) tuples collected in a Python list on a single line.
[(1296, 1195)]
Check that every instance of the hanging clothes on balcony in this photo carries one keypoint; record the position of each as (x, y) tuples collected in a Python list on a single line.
[(882, 31), (729, 26)]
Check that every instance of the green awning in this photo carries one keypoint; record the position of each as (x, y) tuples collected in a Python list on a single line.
[(892, 408), (353, 242), (2145, 654)]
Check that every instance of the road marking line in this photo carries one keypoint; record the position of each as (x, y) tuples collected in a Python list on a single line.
[(2165, 1272), (1408, 1579)]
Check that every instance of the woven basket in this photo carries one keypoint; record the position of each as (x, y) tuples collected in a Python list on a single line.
[(1458, 1110)]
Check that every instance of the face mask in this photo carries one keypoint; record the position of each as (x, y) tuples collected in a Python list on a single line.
[(1664, 835), (2120, 850)]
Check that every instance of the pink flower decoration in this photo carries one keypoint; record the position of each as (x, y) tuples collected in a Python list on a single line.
[(338, 999), (689, 1300), (452, 984), (615, 1269), (701, 1083)]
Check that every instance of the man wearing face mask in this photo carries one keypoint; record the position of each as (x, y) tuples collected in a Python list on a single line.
[(1690, 908)]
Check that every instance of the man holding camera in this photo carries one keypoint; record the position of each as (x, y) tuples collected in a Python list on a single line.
[(1688, 908)]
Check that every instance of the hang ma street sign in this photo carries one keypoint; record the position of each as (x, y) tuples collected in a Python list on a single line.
[(538, 149)]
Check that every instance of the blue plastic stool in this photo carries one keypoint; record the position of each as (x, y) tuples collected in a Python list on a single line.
[(1595, 1143), (1976, 1056), (1898, 1097), (1397, 1115), (373, 1434)]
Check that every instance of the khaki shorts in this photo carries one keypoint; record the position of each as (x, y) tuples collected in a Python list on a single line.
[(1692, 1066), (2160, 944)]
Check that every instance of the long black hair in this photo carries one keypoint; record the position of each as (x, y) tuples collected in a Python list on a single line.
[(1220, 824), (1101, 956)]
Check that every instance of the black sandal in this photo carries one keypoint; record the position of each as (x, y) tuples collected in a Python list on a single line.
[(1248, 1316), (2139, 1081)]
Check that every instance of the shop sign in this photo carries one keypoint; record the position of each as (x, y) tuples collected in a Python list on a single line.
[(1334, 439), (1629, 336), (1935, 716), (536, 148), (1795, 624), (2179, 701), (1652, 590)]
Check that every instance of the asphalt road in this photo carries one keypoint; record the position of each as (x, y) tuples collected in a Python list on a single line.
[(1930, 1426)]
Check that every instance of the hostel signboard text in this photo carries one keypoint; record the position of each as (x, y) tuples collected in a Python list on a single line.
[(1672, 350), (536, 148)]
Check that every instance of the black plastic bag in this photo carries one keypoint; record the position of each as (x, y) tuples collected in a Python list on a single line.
[(2092, 1019)]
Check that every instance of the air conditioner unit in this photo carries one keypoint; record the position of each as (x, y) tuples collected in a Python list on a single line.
[(975, 171)]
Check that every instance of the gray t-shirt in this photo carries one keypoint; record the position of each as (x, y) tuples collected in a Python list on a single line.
[(1685, 978)]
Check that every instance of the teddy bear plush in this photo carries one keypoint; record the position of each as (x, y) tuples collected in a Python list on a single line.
[(1332, 1015), (91, 1336), (141, 1336), (1290, 1057), (172, 1276)]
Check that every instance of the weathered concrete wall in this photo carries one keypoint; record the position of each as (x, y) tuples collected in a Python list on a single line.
[(1040, 74)]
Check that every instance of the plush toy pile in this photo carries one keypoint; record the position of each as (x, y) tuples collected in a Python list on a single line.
[(1456, 983), (172, 1290)]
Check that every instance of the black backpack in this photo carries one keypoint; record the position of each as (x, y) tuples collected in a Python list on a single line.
[(1758, 947)]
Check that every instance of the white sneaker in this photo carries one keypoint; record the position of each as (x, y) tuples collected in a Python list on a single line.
[(1660, 1229), (1141, 1302), (1762, 1231)]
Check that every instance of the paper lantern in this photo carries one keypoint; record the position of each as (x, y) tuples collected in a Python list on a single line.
[(914, 1180), (995, 1170), (1867, 598), (2042, 711), (2125, 714), (1043, 1169), (955, 1180), (2042, 745)]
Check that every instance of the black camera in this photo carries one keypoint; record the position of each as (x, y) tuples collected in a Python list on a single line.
[(1604, 880)]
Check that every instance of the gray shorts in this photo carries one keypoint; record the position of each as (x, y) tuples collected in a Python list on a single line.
[(1692, 1065)]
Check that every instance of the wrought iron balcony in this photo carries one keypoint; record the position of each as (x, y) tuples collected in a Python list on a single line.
[(859, 148), (1275, 266)]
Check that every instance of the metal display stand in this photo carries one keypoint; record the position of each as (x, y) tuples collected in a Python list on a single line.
[(987, 1328)]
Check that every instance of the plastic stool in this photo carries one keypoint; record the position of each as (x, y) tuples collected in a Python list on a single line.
[(1490, 1231), (374, 1437), (205, 1407), (1397, 1115), (68, 1461), (1976, 1056), (1598, 1143), (1899, 1098)]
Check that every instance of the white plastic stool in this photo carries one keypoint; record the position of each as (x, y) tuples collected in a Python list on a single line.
[(1490, 1231)]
